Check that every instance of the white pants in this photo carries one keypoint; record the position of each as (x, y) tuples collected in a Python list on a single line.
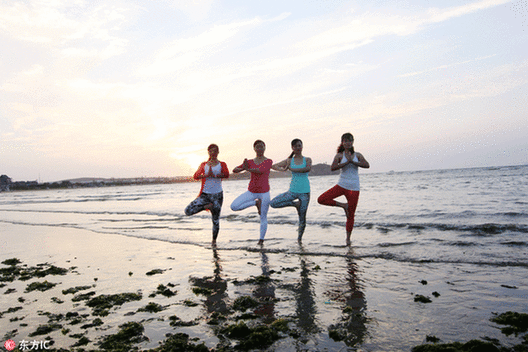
[(248, 199)]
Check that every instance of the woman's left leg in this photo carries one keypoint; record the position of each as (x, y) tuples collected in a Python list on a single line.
[(217, 200), (304, 199), (264, 207), (283, 200), (352, 200)]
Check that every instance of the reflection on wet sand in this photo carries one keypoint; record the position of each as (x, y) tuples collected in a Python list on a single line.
[(215, 288), (351, 327), (265, 292), (305, 309)]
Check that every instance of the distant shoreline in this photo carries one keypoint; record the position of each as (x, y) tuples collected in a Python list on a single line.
[(87, 182), (317, 170)]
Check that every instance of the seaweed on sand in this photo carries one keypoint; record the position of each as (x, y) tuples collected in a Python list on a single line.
[(102, 303), (40, 286), (75, 289), (129, 334), (260, 336), (154, 272), (243, 303), (518, 322), (14, 271), (151, 307), (164, 290), (45, 329), (422, 299), (180, 342), (470, 346)]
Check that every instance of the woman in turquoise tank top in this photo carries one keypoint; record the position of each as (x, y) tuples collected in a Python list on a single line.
[(298, 195)]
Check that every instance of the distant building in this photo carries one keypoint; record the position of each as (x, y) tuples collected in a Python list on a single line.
[(5, 182)]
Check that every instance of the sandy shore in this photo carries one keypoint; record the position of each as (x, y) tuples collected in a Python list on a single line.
[(80, 289)]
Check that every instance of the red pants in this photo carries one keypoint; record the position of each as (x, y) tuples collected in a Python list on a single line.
[(352, 197)]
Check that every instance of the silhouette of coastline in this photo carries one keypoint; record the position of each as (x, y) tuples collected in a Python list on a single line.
[(6, 184)]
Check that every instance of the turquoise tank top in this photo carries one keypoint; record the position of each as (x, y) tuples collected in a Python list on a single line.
[(299, 181)]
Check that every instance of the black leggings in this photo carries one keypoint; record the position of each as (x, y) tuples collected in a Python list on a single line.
[(197, 205)]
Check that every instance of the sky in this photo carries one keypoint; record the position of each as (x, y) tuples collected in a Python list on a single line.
[(124, 88)]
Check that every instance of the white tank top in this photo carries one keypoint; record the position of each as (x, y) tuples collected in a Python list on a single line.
[(213, 185), (349, 176)]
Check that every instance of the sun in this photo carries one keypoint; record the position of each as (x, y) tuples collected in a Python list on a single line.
[(188, 160), (193, 160)]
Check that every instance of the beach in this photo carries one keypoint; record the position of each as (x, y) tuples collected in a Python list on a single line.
[(82, 274)]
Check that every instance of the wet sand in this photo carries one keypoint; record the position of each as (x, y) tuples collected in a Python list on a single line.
[(299, 301)]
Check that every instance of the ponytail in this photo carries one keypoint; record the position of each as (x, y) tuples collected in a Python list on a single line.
[(294, 142)]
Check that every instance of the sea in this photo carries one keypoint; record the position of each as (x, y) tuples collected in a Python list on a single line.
[(464, 232)]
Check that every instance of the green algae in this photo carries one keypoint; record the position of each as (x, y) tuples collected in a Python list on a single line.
[(96, 322), (164, 291), (189, 303), (259, 336), (83, 341), (180, 342), (12, 262), (280, 325), (154, 272), (470, 346), (216, 318), (40, 286), (243, 303), (45, 329), (13, 309), (129, 334), (75, 289), (518, 322), (237, 331), (152, 307), (422, 299), (176, 321), (102, 303), (83, 296), (202, 291)]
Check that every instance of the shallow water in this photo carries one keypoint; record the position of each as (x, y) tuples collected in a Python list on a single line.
[(463, 231)]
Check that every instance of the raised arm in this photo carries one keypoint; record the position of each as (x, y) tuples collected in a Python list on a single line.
[(281, 165), (336, 164), (362, 162), (199, 174), (242, 167)]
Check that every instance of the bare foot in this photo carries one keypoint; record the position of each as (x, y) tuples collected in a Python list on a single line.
[(258, 204)]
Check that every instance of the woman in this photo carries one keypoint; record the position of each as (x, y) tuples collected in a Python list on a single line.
[(211, 196), (258, 189), (347, 161), (298, 195)]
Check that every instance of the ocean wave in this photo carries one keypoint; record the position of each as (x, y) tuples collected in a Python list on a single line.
[(478, 230)]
